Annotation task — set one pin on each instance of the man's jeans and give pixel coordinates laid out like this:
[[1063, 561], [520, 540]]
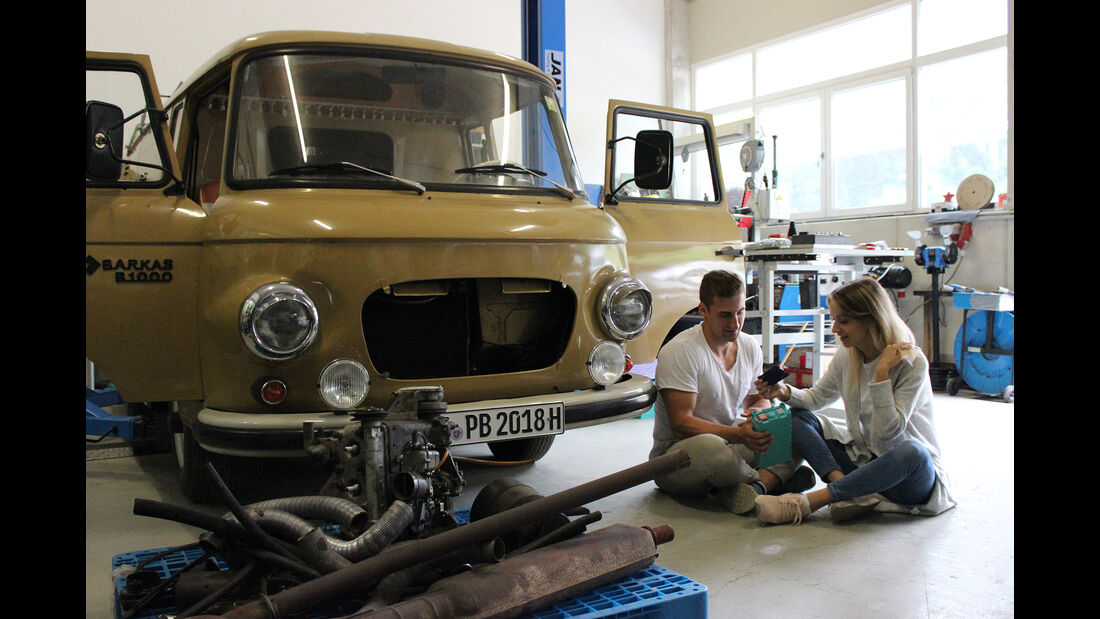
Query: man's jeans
[[904, 474]]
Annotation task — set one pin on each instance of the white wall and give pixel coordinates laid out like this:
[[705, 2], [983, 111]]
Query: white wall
[[614, 48]]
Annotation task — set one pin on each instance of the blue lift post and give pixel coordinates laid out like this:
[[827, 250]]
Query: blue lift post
[[544, 40], [98, 422], [544, 47]]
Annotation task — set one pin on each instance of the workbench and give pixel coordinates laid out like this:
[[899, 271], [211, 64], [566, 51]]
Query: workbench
[[847, 262]]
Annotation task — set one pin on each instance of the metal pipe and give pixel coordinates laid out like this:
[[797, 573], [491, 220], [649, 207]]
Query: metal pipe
[[345, 512], [348, 579], [288, 526], [534, 580], [390, 589]]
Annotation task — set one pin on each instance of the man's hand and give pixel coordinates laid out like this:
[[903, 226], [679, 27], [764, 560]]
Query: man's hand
[[757, 442]]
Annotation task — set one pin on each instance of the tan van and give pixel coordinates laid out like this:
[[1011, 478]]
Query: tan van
[[315, 220]]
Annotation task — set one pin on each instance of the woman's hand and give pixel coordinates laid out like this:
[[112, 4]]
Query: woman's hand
[[888, 358], [779, 390]]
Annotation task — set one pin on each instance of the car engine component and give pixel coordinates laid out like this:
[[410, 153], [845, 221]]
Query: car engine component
[[395, 454]]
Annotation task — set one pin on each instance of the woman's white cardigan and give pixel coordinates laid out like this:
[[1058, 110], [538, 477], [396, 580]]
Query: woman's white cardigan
[[902, 409]]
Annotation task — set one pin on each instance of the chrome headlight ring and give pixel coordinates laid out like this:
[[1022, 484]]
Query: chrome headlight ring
[[606, 363], [278, 321], [625, 308]]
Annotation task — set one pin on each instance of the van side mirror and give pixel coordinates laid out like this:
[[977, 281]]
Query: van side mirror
[[102, 141], [652, 161], [652, 157]]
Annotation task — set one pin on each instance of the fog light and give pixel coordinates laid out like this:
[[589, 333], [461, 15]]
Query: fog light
[[607, 363], [273, 391], [344, 384]]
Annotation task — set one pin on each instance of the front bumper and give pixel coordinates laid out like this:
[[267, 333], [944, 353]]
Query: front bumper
[[280, 435]]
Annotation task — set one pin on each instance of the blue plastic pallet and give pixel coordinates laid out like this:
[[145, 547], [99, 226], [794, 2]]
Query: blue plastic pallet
[[652, 593]]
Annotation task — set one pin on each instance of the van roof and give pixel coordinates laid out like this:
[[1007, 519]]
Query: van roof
[[296, 38]]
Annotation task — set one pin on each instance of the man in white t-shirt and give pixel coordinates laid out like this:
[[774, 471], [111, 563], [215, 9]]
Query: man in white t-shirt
[[703, 374]]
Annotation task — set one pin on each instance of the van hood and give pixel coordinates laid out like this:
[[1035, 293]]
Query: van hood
[[352, 214]]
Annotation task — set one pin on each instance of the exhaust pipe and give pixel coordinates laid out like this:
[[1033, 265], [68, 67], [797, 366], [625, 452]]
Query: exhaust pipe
[[369, 570], [534, 580]]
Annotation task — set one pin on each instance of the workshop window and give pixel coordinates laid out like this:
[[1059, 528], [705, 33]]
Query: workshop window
[[856, 46], [959, 140], [729, 79], [881, 113], [868, 163], [945, 24], [798, 154]]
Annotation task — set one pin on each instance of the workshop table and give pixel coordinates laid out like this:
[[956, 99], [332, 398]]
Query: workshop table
[[847, 262]]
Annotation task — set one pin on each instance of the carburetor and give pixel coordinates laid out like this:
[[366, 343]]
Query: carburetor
[[398, 453]]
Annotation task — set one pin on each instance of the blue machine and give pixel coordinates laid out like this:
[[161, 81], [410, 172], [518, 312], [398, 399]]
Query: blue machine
[[984, 345]]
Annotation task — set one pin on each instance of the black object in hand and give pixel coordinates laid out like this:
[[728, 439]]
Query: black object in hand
[[774, 374]]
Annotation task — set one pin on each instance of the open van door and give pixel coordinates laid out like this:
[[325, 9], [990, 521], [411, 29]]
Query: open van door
[[143, 238], [663, 184]]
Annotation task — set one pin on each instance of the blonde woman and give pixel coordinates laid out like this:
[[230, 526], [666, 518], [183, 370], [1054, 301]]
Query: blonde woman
[[888, 456]]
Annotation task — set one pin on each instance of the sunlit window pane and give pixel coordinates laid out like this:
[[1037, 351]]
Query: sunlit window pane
[[963, 129], [873, 41], [868, 145], [723, 82], [943, 24], [798, 150]]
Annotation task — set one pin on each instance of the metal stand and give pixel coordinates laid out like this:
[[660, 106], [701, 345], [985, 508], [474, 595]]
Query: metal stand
[[940, 373]]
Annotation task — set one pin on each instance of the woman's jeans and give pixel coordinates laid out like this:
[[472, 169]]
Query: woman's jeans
[[904, 474]]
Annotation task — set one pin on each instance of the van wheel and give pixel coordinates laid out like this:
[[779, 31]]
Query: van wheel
[[522, 449], [194, 479]]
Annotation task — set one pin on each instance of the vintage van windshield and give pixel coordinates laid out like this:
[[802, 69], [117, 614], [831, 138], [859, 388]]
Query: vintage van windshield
[[361, 121]]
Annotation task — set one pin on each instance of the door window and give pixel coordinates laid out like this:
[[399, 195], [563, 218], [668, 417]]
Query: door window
[[140, 150], [694, 171]]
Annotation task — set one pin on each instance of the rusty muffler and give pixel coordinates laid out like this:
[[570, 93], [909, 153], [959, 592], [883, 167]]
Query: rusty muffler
[[534, 580], [370, 570]]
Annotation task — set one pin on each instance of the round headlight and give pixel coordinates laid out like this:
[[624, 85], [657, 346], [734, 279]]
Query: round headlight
[[344, 384], [625, 307], [278, 321], [606, 363]]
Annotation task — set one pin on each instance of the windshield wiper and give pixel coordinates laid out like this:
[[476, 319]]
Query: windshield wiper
[[346, 166], [498, 168]]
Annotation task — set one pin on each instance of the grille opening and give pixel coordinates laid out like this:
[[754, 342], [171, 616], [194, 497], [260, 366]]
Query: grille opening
[[467, 327]]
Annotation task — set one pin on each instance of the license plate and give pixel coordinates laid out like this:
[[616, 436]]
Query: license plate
[[498, 424]]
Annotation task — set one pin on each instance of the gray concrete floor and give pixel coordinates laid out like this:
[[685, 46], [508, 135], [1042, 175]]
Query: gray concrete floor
[[959, 564]]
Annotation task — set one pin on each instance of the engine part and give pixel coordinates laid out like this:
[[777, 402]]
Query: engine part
[[520, 585], [348, 514], [369, 570], [287, 526], [503, 494], [397, 454], [390, 589]]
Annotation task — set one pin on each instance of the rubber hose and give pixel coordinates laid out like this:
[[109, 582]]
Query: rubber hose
[[378, 536], [347, 513]]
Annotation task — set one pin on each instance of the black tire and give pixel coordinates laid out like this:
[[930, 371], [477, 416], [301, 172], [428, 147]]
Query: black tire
[[195, 481], [522, 449]]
